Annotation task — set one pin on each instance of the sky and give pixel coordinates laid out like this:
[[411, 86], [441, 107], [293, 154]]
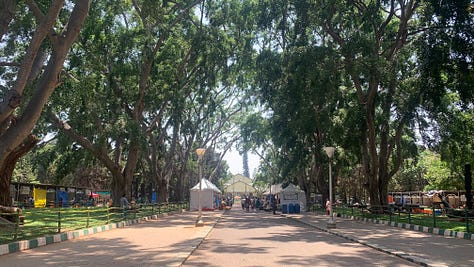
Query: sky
[[234, 160]]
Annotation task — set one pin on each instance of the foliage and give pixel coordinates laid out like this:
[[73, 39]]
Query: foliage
[[150, 81], [35, 40], [437, 173]]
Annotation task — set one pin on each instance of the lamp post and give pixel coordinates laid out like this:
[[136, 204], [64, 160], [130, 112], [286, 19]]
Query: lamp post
[[330, 153], [200, 153]]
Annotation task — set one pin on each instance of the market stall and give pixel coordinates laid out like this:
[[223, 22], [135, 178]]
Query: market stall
[[292, 199], [209, 193]]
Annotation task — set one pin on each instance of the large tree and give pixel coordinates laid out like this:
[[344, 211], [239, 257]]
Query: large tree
[[35, 40], [128, 61], [163, 82], [369, 44], [374, 38]]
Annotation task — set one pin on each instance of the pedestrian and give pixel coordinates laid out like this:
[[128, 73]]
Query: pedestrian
[[247, 204], [328, 206], [258, 204], [273, 203], [124, 202]]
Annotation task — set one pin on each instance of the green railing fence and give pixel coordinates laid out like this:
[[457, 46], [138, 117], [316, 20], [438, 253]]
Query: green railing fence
[[47, 221], [460, 220]]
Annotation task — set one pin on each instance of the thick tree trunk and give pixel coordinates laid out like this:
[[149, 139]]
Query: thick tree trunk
[[118, 189], [162, 191], [6, 169], [16, 139], [180, 186]]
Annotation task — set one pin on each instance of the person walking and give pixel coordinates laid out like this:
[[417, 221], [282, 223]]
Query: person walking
[[328, 207], [247, 204], [124, 202], [273, 202]]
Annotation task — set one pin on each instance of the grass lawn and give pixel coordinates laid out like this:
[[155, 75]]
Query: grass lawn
[[441, 221]]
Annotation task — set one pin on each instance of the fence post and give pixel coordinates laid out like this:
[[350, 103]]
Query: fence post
[[434, 216], [59, 221], [88, 215], [108, 214], [409, 215], [390, 215], [17, 224], [467, 220]]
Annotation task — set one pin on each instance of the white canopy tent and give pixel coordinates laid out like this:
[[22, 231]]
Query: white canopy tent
[[209, 192], [293, 196]]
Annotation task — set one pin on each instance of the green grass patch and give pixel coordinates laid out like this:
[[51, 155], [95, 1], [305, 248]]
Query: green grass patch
[[439, 221]]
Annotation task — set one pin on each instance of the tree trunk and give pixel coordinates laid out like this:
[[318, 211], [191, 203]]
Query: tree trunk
[[6, 169], [162, 191], [180, 184], [16, 139]]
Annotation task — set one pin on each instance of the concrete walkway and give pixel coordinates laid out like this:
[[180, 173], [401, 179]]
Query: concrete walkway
[[165, 241], [425, 249], [275, 240], [262, 239]]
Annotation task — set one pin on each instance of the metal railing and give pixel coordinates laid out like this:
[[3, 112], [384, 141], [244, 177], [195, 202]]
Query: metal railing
[[459, 220], [38, 222]]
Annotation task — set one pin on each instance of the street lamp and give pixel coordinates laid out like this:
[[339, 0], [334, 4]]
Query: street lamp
[[200, 153], [330, 153]]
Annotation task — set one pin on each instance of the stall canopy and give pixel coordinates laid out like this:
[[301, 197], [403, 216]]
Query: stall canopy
[[208, 195], [273, 189], [293, 199]]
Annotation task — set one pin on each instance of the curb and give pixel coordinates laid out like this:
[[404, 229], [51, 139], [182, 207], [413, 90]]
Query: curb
[[60, 237], [183, 256], [400, 254], [414, 227]]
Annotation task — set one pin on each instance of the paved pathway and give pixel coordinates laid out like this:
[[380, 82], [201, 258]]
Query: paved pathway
[[236, 238], [166, 241], [424, 248], [263, 239]]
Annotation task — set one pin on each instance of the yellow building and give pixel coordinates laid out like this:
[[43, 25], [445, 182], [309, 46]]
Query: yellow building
[[239, 185]]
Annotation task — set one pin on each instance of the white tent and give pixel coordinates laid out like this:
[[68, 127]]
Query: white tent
[[209, 192], [273, 189], [292, 196]]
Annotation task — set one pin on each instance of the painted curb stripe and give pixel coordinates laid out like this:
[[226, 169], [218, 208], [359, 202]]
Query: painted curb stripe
[[56, 238]]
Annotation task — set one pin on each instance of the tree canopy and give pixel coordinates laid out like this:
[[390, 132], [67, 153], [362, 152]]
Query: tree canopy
[[130, 89]]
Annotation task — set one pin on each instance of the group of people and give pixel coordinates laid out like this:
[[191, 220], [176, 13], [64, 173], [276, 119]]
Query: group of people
[[250, 203], [226, 202]]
